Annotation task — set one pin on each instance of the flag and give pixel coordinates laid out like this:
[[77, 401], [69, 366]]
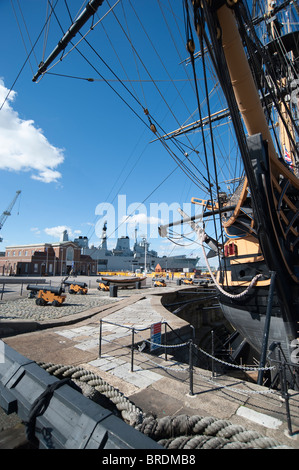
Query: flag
[[287, 157]]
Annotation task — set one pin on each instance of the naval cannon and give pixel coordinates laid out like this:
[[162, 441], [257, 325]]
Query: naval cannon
[[76, 287], [159, 282], [103, 285], [46, 294]]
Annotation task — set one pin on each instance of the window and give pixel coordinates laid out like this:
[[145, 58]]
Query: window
[[20, 253], [35, 269], [13, 253], [26, 268], [26, 252], [70, 253], [8, 253]]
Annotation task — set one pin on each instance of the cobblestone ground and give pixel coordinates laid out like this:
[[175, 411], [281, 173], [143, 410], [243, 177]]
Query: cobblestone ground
[[26, 308]]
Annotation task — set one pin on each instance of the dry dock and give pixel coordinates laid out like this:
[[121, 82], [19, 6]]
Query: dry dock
[[156, 382]]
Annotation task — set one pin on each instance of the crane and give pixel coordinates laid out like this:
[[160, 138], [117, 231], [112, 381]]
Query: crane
[[6, 213]]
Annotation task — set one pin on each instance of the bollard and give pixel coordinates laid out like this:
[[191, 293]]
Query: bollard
[[113, 291]]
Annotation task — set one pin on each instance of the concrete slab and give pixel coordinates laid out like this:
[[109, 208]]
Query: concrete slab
[[259, 418]]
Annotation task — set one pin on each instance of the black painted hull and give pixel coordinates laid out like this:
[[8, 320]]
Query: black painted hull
[[248, 316]]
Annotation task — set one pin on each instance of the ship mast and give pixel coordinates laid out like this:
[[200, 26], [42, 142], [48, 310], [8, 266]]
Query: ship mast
[[245, 91], [244, 88], [284, 122]]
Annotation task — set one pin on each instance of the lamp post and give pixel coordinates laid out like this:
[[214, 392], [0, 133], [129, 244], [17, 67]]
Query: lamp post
[[61, 250], [47, 260], [144, 255]]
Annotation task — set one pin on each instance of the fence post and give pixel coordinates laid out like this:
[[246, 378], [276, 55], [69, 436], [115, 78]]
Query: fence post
[[284, 389], [165, 349], [266, 329], [286, 397], [191, 367], [132, 350], [100, 339], [213, 351], [2, 290]]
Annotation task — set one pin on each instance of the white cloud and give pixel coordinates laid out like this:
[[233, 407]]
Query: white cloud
[[57, 231], [23, 146], [35, 230]]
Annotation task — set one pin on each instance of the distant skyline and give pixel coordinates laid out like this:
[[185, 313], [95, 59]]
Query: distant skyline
[[71, 145]]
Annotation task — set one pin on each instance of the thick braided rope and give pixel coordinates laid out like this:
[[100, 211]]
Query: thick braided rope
[[178, 432], [201, 442], [168, 428], [130, 413]]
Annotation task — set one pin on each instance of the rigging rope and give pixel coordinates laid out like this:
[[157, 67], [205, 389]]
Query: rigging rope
[[224, 292]]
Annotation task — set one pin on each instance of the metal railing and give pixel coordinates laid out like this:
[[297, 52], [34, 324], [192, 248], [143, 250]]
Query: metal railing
[[164, 346], [283, 369], [15, 291], [193, 349]]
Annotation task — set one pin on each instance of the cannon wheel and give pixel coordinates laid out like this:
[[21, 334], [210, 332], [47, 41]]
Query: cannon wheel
[[55, 303], [40, 301], [71, 291]]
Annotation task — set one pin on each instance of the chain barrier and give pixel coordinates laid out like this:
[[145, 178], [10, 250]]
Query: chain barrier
[[234, 365], [243, 392], [245, 368], [190, 368], [206, 379], [159, 365], [237, 390], [166, 345]]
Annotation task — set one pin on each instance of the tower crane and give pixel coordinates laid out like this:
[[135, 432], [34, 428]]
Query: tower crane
[[6, 213]]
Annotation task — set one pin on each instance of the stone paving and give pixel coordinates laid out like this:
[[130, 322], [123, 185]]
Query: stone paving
[[86, 338], [25, 308]]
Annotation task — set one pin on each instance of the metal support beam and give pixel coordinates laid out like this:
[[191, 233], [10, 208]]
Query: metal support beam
[[266, 328]]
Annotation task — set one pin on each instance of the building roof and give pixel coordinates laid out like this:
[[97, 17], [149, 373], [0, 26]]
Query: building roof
[[31, 245]]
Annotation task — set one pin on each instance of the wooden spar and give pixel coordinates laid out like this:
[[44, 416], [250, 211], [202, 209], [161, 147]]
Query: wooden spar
[[89, 10]]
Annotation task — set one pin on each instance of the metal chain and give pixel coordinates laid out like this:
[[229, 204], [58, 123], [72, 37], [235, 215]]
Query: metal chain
[[234, 365], [212, 357]]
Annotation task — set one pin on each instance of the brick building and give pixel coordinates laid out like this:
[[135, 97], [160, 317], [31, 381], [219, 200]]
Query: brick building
[[46, 259]]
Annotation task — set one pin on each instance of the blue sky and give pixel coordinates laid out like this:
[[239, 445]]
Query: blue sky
[[71, 145]]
